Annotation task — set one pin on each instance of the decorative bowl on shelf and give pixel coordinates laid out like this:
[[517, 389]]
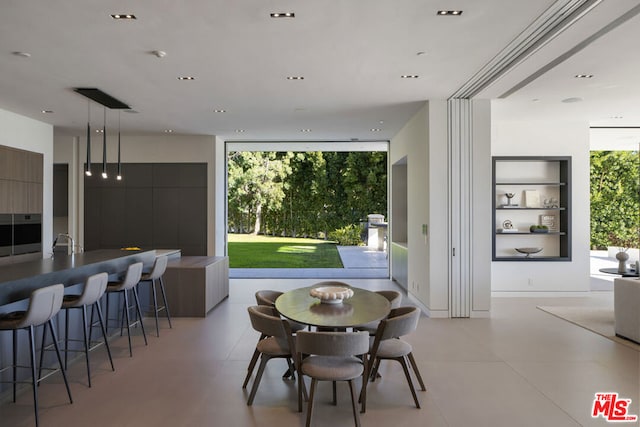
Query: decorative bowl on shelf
[[331, 292], [528, 251]]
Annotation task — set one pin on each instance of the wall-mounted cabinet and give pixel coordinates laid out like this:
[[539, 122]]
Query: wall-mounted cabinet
[[531, 209]]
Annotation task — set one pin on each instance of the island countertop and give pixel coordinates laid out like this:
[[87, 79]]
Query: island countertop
[[17, 281]]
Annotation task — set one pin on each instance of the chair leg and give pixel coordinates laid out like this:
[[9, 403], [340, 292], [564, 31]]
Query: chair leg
[[155, 305], [104, 331], [126, 316], [412, 360], [55, 344], [405, 367], [312, 393], [15, 358], [66, 339], [252, 364], [164, 300], [86, 343], [34, 378], [42, 349], [335, 394], [256, 382], [354, 406], [135, 296]]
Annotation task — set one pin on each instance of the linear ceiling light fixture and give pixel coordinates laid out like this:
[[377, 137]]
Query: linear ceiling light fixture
[[125, 16], [295, 78], [104, 145], [186, 78], [87, 166], [583, 76], [283, 15], [449, 13], [409, 76]]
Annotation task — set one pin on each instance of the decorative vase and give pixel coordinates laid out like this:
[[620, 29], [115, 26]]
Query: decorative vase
[[622, 258]]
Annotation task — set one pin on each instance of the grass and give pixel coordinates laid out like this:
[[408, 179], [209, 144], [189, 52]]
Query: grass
[[249, 251]]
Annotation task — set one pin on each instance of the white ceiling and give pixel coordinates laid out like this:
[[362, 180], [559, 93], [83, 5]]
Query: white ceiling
[[351, 54]]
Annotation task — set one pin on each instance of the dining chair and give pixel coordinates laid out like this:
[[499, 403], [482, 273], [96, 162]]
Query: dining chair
[[331, 356], [267, 297], [276, 342], [387, 345], [394, 298]]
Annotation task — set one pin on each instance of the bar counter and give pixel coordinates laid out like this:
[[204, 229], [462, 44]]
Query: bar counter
[[17, 281]]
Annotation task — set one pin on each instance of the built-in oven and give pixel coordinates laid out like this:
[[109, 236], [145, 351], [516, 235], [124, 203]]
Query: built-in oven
[[27, 233], [6, 234]]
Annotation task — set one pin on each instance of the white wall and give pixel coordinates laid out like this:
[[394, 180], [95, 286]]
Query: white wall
[[27, 134], [561, 138], [161, 148]]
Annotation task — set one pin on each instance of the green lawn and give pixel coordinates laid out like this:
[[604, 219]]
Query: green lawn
[[249, 251]]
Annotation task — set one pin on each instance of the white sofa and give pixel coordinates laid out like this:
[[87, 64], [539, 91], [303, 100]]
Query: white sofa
[[626, 295]]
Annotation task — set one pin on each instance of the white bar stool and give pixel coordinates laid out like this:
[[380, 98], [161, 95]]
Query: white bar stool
[[44, 304], [131, 279], [94, 288], [159, 267]]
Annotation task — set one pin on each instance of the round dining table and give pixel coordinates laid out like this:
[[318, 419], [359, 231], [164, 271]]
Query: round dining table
[[363, 307]]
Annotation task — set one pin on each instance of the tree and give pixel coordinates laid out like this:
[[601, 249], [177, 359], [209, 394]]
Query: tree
[[615, 206], [256, 183]]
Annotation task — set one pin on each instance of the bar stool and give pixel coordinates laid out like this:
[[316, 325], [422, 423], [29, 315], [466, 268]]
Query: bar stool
[[131, 279], [156, 273], [44, 304], [94, 288]]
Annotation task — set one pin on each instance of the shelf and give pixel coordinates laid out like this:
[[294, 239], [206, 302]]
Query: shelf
[[529, 209], [527, 233], [554, 184], [543, 178]]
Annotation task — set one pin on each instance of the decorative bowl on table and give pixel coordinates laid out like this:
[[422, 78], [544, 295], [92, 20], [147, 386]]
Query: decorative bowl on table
[[528, 251], [331, 293]]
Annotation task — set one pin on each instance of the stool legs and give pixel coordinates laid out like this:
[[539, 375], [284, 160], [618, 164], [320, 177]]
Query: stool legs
[[157, 308], [127, 318]]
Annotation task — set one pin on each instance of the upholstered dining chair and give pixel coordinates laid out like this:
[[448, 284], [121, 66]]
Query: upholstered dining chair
[[331, 356], [387, 345], [395, 299], [276, 342], [267, 297]]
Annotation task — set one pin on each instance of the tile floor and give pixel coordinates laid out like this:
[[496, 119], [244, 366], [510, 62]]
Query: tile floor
[[521, 367]]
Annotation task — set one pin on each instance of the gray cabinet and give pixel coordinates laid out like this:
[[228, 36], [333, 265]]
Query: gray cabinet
[[155, 205]]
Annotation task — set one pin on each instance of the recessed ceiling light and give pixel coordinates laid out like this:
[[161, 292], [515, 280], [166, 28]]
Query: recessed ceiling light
[[186, 78], [239, 130], [571, 100], [381, 121], [220, 110], [99, 130], [22, 54], [616, 117], [409, 76], [295, 78], [123, 16], [376, 130], [305, 130], [168, 130], [47, 111], [583, 76], [283, 15], [449, 12]]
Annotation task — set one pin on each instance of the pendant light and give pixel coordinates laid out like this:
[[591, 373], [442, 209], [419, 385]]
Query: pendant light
[[87, 166], [119, 176], [104, 145]]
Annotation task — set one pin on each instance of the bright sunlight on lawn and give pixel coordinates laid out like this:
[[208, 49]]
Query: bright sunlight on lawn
[[249, 251]]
